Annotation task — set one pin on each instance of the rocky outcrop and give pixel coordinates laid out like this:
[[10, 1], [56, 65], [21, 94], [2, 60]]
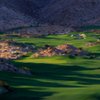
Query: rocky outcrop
[[13, 50], [5, 65], [65, 49], [91, 44]]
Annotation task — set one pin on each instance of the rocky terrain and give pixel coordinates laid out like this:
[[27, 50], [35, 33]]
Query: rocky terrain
[[65, 49], [73, 12], [5, 65], [21, 14], [13, 50]]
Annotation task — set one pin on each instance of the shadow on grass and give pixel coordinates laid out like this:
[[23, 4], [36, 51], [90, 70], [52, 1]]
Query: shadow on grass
[[95, 96], [93, 56], [60, 72], [96, 54], [25, 94], [47, 76]]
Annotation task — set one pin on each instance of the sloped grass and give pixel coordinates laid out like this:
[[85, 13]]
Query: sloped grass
[[78, 79], [56, 40], [58, 77]]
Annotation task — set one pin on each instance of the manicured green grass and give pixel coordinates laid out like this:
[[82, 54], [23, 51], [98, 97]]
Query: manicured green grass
[[56, 40], [58, 77]]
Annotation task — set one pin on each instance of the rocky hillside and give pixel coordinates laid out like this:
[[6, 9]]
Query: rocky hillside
[[73, 12], [22, 13], [11, 19]]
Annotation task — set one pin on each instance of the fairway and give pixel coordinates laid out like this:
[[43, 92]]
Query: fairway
[[57, 77]]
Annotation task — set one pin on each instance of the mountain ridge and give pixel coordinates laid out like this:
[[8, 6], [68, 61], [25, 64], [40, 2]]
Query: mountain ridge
[[61, 13]]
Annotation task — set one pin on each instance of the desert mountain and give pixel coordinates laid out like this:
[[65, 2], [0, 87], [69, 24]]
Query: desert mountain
[[72, 12], [19, 13]]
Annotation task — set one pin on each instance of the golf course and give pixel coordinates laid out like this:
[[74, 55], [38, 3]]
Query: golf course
[[59, 77]]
